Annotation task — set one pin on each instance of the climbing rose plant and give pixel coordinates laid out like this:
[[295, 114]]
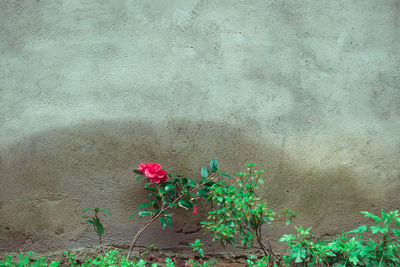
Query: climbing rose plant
[[169, 191]]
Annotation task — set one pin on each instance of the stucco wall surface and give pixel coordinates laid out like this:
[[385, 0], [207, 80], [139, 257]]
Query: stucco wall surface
[[307, 90]]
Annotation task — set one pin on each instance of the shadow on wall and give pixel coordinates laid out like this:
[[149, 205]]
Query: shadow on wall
[[48, 178]]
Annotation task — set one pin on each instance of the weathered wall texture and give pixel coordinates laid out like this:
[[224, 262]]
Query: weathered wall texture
[[308, 90]]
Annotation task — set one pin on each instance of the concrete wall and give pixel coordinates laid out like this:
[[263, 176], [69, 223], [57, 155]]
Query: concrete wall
[[308, 90]]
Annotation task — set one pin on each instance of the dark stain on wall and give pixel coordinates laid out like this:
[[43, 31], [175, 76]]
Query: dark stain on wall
[[90, 164]]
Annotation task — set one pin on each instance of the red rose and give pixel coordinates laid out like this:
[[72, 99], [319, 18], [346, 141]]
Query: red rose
[[152, 169], [143, 166], [154, 172], [161, 176]]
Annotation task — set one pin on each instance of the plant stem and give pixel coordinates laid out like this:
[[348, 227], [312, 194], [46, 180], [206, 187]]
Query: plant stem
[[101, 245], [384, 243], [267, 250], [149, 222], [141, 230], [95, 229]]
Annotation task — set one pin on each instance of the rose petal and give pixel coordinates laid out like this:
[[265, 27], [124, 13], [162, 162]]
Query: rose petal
[[150, 173], [161, 173], [155, 166], [142, 166], [163, 179], [194, 209]]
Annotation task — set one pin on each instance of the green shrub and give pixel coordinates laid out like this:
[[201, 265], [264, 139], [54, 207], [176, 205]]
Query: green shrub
[[251, 261], [198, 246], [239, 214], [111, 258], [193, 263], [27, 260], [301, 248], [350, 249]]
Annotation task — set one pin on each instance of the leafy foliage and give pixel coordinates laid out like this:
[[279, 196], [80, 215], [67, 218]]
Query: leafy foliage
[[111, 259], [97, 225], [176, 191], [194, 263], [239, 213], [348, 248], [251, 261], [27, 260], [198, 246], [169, 263], [301, 248]]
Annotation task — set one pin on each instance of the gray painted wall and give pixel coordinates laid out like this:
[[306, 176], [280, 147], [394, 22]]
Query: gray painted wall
[[308, 90]]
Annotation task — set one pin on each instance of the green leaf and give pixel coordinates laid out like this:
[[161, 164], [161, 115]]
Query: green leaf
[[214, 165], [185, 204], [143, 205], [133, 215], [260, 181], [168, 219], [100, 229], [191, 182], [385, 216], [204, 172], [232, 240], [203, 192], [91, 222], [267, 219], [153, 201], [153, 190], [169, 186], [224, 174], [138, 172], [163, 222], [53, 264], [360, 229], [201, 252], [105, 211], [298, 257], [377, 229], [372, 216], [144, 213], [287, 238], [240, 174], [396, 232], [353, 259], [140, 178], [85, 210], [162, 190], [99, 226]]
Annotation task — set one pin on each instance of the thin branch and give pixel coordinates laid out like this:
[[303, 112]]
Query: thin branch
[[149, 222], [139, 233]]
